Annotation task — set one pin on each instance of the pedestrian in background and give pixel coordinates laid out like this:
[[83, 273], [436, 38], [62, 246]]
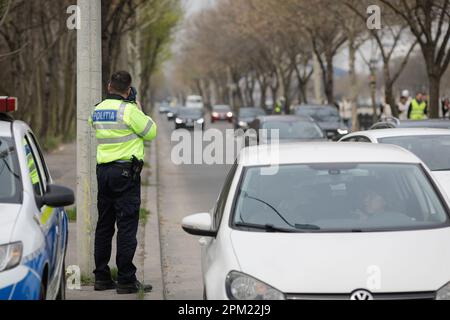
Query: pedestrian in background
[[404, 104], [418, 110], [446, 108]]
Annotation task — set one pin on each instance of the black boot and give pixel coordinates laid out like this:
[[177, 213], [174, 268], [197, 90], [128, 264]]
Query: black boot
[[105, 285], [133, 288]]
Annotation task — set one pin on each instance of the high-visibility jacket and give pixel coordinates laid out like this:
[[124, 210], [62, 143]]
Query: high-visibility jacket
[[121, 129], [31, 165], [418, 111]]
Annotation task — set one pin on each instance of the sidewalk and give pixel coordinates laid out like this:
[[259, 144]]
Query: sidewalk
[[62, 165]]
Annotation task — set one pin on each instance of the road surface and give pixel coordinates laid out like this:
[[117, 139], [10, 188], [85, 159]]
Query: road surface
[[183, 190]]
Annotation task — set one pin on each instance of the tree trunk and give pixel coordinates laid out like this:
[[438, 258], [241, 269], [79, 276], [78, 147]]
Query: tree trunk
[[353, 86], [389, 89], [433, 108], [329, 79]]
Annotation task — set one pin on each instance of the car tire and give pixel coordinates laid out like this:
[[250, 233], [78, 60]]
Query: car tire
[[43, 292], [62, 285]]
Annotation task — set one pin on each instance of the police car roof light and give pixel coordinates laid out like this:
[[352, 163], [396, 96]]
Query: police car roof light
[[8, 104]]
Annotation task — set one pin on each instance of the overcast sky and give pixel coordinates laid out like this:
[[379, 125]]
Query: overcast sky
[[196, 5]]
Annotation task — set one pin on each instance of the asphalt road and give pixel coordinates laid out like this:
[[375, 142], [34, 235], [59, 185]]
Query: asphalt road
[[183, 190]]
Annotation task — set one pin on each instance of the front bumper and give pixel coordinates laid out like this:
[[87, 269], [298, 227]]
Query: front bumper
[[21, 283]]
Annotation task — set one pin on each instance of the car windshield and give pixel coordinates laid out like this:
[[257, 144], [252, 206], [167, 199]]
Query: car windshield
[[339, 198], [10, 183], [293, 129], [251, 112], [434, 150], [193, 113], [320, 114], [195, 100], [222, 109]]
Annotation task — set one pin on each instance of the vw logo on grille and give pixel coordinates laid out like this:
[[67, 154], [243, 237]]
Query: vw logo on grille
[[361, 295]]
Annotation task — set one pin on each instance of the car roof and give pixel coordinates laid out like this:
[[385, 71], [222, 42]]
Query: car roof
[[325, 152], [399, 132], [290, 118], [5, 128], [426, 123]]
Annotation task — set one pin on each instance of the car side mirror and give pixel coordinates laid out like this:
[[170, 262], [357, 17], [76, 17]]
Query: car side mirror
[[199, 225], [57, 197]]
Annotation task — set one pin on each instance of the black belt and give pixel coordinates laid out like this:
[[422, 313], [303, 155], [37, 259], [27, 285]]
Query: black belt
[[120, 164]]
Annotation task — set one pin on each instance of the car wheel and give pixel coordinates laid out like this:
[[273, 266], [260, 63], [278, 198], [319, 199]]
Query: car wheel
[[62, 285], [43, 293]]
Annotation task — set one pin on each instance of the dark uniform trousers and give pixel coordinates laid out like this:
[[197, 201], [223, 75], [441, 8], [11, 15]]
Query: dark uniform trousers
[[119, 200]]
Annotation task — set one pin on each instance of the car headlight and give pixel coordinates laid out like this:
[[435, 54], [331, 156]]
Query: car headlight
[[178, 121], [170, 114], [10, 255], [444, 293], [343, 131], [243, 124], [215, 114], [243, 287], [230, 114], [200, 121]]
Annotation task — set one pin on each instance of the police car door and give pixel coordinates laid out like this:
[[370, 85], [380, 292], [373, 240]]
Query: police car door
[[48, 217]]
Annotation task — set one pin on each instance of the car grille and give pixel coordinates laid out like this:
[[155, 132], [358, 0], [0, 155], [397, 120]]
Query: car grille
[[376, 296]]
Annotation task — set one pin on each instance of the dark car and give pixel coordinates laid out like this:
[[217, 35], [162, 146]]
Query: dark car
[[172, 113], [392, 123], [290, 129], [327, 117], [164, 107], [190, 118], [222, 113], [247, 116]]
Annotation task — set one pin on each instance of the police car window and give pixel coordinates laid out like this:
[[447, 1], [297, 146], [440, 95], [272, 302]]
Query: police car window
[[10, 182], [43, 168], [33, 169]]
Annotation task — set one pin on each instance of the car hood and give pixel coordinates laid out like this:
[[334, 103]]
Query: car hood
[[8, 217], [412, 261], [190, 118], [443, 178]]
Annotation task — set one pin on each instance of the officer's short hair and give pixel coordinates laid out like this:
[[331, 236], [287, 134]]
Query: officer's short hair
[[121, 81]]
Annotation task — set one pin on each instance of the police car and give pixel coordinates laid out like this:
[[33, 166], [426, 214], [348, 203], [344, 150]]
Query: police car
[[33, 222]]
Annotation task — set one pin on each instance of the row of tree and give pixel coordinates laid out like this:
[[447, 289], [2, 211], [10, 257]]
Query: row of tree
[[239, 46], [38, 55]]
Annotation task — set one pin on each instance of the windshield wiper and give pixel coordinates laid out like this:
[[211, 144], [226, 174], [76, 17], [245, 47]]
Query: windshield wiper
[[307, 227], [266, 227], [246, 195]]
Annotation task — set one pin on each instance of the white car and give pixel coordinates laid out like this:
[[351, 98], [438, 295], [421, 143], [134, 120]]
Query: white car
[[194, 102], [332, 221], [33, 222], [431, 145]]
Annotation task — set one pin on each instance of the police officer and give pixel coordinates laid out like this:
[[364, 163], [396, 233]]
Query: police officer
[[121, 129], [418, 108]]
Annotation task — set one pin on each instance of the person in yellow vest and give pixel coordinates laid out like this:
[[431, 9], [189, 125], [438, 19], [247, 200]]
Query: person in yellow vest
[[418, 109], [121, 129]]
